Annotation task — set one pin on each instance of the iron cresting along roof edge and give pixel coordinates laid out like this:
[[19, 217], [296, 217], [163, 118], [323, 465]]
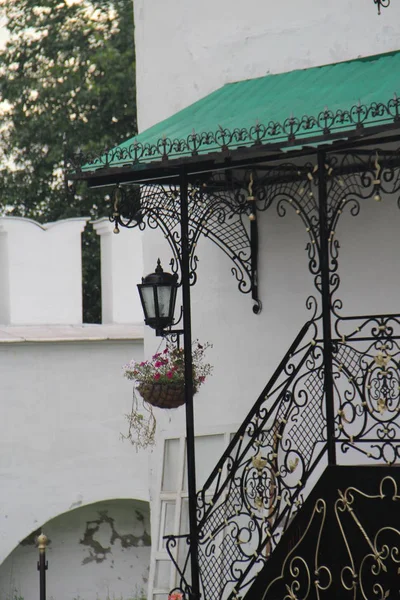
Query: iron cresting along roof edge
[[361, 95]]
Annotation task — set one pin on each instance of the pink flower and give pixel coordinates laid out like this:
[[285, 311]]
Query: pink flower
[[142, 364], [202, 378], [166, 351], [175, 596], [170, 374], [156, 355], [158, 364], [157, 376]]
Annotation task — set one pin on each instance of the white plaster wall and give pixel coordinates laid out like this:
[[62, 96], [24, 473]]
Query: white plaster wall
[[369, 268], [121, 271], [40, 271], [5, 308], [62, 411], [96, 552], [186, 49]]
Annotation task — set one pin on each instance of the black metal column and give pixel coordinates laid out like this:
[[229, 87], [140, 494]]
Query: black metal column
[[42, 565], [326, 305], [187, 339]]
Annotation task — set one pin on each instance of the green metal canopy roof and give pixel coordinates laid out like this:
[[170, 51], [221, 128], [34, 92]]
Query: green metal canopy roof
[[289, 108]]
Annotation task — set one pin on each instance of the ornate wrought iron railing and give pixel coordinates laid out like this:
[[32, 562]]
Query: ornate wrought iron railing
[[272, 462], [366, 366], [344, 543], [257, 485]]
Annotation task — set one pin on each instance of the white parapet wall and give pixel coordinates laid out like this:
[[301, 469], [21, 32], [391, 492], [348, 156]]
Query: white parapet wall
[[63, 403], [40, 271], [121, 271]]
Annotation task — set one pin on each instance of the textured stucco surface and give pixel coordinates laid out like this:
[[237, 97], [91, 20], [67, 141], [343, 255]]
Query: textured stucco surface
[[60, 448], [40, 271], [94, 552], [187, 49]]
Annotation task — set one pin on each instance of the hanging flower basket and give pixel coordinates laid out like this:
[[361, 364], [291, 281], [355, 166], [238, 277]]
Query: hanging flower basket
[[163, 395], [161, 380]]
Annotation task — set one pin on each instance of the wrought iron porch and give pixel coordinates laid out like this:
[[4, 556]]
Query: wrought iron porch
[[335, 397], [261, 482]]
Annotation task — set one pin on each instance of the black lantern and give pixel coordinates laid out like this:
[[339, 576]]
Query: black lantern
[[158, 295]]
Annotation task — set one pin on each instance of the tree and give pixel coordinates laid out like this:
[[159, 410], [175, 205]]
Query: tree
[[66, 73]]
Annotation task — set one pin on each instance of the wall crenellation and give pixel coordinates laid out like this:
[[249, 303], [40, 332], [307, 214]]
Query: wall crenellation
[[41, 272]]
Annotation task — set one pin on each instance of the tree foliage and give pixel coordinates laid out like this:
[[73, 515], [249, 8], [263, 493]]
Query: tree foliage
[[67, 76]]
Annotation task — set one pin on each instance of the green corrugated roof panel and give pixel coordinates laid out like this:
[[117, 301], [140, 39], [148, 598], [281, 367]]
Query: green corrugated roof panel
[[273, 108]]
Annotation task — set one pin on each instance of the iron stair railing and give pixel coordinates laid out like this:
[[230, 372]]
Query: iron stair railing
[[280, 450], [343, 544], [366, 373], [256, 487]]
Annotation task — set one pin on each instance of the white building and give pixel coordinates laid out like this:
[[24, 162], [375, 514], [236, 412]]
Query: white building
[[186, 51], [63, 466]]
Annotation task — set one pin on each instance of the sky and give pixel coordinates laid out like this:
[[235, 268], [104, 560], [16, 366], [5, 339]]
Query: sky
[[3, 33]]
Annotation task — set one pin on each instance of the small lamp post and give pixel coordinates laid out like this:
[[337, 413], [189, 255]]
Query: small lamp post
[[158, 296], [42, 566]]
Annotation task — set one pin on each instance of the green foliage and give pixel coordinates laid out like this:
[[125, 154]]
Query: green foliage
[[67, 73], [142, 424], [15, 595]]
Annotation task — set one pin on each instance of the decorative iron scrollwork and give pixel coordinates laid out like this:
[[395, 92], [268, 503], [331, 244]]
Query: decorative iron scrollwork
[[343, 544], [372, 544], [381, 4], [299, 578], [218, 214], [257, 486], [367, 386], [300, 128], [261, 481], [351, 177], [224, 207]]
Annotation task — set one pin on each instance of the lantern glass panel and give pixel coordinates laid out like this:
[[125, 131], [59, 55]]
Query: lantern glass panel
[[164, 293], [148, 301]]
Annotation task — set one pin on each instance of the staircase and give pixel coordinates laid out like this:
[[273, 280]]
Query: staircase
[[275, 520], [344, 543]]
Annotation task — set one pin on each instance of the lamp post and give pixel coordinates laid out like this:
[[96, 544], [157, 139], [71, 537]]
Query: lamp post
[[158, 295], [42, 565]]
